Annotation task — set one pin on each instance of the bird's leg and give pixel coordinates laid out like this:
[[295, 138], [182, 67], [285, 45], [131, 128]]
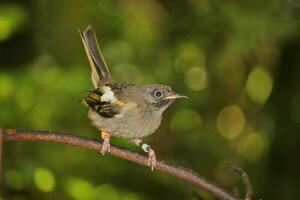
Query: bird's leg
[[106, 145], [151, 154]]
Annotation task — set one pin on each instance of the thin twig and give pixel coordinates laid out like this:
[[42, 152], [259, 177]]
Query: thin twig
[[245, 180], [69, 139]]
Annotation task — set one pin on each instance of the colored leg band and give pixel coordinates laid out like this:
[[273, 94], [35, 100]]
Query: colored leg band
[[104, 134], [146, 147]]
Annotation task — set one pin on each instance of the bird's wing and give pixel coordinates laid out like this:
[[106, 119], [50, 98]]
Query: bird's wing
[[100, 73], [103, 101]]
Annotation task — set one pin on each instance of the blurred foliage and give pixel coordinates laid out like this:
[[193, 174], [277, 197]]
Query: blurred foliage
[[238, 61]]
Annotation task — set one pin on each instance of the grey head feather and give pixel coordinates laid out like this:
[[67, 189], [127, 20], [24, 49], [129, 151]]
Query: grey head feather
[[153, 96]]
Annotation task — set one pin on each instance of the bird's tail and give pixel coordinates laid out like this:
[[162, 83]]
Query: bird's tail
[[100, 73]]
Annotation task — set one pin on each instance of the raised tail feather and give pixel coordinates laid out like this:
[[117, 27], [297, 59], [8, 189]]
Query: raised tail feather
[[100, 72]]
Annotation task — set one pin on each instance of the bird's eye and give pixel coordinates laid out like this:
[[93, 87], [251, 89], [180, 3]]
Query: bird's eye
[[157, 93]]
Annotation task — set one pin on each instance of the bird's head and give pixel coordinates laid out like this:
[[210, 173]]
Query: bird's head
[[160, 96]]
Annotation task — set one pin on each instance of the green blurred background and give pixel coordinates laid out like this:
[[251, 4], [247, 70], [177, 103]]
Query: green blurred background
[[238, 61]]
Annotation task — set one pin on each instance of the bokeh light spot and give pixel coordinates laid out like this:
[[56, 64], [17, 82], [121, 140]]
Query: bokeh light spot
[[196, 78], [230, 121], [41, 115], [80, 189], [186, 120], [251, 147], [189, 55], [24, 97], [11, 18], [50, 75], [106, 191], [44, 179], [121, 72], [5, 28], [259, 85], [14, 179], [6, 86], [118, 52]]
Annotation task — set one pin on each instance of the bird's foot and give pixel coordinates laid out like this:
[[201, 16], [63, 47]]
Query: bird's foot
[[105, 145], [151, 159], [151, 154]]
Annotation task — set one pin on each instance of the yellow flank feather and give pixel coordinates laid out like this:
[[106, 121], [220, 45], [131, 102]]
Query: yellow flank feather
[[119, 103]]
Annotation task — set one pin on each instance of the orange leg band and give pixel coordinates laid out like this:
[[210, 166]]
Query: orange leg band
[[104, 134]]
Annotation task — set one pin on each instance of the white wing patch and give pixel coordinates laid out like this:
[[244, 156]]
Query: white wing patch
[[108, 94]]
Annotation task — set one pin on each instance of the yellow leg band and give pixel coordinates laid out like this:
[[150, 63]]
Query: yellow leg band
[[104, 134]]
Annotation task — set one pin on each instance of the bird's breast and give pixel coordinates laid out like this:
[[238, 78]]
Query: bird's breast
[[132, 122], [140, 122]]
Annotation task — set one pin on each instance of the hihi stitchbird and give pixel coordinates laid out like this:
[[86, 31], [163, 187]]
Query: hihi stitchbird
[[121, 109]]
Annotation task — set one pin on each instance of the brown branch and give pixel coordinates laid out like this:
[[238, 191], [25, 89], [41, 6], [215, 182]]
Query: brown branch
[[78, 141], [245, 180]]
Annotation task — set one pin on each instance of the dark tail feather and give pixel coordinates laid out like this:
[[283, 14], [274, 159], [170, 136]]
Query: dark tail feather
[[100, 72]]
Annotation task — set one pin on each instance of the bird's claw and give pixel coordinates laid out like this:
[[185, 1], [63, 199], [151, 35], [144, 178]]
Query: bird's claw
[[151, 159], [105, 145]]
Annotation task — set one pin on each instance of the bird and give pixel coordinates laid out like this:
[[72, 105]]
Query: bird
[[121, 109]]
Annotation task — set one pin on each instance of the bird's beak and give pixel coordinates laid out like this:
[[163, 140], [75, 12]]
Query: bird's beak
[[175, 96]]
